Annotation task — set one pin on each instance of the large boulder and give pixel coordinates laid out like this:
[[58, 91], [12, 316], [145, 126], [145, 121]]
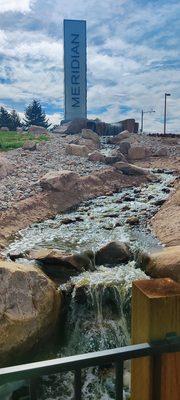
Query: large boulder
[[6, 167], [115, 157], [96, 156], [130, 169], [38, 130], [163, 264], [4, 129], [113, 253], [90, 135], [119, 137], [61, 181], [124, 147], [162, 152], [77, 150], [29, 308], [30, 145], [57, 264], [136, 153], [75, 126]]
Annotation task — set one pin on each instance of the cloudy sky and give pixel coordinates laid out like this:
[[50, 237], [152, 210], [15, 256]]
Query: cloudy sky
[[133, 57]]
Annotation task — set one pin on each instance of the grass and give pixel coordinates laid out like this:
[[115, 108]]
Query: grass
[[14, 140]]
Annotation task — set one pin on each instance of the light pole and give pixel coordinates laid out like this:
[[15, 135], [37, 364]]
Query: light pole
[[165, 110], [142, 117]]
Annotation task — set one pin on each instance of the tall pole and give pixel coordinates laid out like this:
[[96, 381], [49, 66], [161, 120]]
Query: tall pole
[[165, 114], [165, 111], [142, 115]]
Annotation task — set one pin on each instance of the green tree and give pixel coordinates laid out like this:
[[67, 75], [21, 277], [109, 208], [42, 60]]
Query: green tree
[[34, 115], [14, 120], [4, 118]]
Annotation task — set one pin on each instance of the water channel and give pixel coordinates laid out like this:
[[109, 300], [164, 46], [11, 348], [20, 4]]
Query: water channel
[[98, 310]]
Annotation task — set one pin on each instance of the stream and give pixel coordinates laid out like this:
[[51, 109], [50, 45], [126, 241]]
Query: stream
[[98, 304]]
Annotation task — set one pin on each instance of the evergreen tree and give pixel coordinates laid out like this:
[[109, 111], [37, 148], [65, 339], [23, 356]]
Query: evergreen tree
[[14, 121], [4, 118], [34, 115]]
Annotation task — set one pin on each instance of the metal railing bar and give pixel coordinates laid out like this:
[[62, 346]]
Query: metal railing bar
[[77, 384], [58, 365], [119, 380], [33, 389]]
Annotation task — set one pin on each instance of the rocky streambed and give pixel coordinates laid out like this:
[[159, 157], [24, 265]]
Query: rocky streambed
[[96, 312]]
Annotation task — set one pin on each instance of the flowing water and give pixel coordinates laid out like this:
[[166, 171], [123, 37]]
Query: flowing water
[[97, 303]]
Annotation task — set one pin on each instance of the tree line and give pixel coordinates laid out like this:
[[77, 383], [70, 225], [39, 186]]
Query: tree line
[[34, 115]]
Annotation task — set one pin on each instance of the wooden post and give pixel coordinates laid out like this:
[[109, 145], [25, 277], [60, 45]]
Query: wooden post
[[155, 313]]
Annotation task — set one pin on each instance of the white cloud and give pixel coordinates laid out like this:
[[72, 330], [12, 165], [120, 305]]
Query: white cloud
[[15, 5]]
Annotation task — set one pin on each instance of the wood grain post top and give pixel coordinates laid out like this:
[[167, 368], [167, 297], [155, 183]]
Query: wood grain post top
[[157, 288]]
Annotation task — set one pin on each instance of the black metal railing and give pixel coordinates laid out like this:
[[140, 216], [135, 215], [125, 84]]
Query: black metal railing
[[116, 356]]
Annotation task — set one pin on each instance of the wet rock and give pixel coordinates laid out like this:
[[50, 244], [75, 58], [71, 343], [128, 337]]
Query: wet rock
[[112, 253], [130, 169], [166, 190], [128, 198], [29, 310], [96, 156], [150, 197], [55, 263], [29, 145], [159, 202], [136, 153], [67, 221], [125, 208], [133, 220], [164, 263], [77, 150]]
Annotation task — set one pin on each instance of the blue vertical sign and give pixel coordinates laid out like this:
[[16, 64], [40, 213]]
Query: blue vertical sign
[[75, 70]]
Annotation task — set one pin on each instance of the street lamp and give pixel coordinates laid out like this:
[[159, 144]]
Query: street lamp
[[165, 96], [142, 117]]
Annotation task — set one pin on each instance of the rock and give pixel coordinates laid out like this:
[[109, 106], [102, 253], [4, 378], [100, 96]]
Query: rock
[[166, 190], [119, 137], [77, 150], [5, 129], [29, 308], [89, 134], [124, 147], [38, 130], [60, 181], [112, 253], [5, 167], [75, 126], [96, 156], [136, 153], [57, 264], [90, 144], [115, 157], [164, 263], [29, 145], [132, 220], [162, 152], [19, 129], [130, 169], [159, 202]]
